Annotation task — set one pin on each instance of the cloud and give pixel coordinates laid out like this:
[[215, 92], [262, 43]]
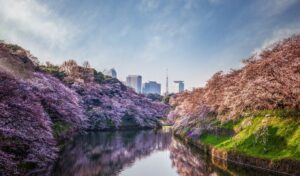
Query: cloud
[[277, 36], [167, 28], [161, 39], [148, 5], [270, 8], [124, 30], [156, 48], [33, 25]]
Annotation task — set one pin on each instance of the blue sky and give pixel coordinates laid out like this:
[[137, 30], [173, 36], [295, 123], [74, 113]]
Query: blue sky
[[192, 38]]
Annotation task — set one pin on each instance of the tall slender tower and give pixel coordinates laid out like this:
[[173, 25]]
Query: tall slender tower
[[167, 84]]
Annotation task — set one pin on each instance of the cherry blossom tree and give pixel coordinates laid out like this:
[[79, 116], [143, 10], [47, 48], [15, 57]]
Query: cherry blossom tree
[[268, 80]]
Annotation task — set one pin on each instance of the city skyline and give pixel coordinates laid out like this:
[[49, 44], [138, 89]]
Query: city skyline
[[135, 82], [192, 39], [152, 87]]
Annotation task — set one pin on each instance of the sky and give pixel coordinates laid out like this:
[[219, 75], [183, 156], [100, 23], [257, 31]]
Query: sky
[[193, 39]]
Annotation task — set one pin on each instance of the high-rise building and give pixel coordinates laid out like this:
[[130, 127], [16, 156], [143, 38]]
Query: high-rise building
[[111, 72], [180, 87], [151, 87], [135, 82]]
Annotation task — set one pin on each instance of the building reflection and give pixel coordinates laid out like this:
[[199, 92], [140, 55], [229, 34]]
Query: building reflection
[[108, 153]]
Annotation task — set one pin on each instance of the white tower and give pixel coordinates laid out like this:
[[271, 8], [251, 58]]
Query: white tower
[[167, 84]]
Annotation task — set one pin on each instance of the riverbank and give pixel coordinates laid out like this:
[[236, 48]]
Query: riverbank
[[251, 114], [229, 160], [266, 140]]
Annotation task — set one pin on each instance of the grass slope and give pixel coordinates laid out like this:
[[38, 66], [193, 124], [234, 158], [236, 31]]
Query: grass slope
[[268, 134]]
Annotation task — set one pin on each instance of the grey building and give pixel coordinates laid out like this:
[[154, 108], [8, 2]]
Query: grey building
[[111, 72], [135, 82], [180, 85], [151, 87]]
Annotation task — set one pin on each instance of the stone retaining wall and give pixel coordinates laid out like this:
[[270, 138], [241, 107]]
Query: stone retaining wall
[[226, 159]]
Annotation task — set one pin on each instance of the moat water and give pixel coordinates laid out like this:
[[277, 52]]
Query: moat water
[[140, 153]]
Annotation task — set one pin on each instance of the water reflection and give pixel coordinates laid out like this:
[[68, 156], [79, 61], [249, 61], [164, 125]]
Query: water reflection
[[123, 152], [108, 153], [190, 161]]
